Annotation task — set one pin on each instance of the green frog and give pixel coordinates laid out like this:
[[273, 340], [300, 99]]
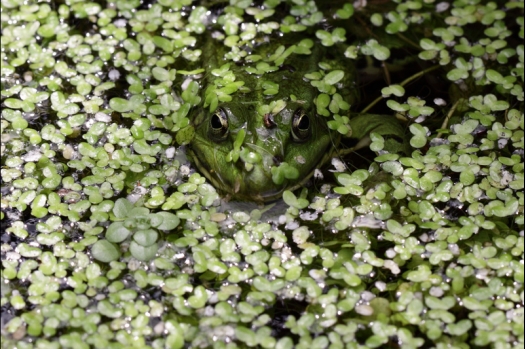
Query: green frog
[[269, 135]]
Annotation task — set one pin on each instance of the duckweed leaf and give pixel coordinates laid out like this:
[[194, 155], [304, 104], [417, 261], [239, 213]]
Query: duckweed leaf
[[117, 232], [419, 139], [292, 200], [122, 208], [143, 253], [105, 251], [334, 77], [145, 237]]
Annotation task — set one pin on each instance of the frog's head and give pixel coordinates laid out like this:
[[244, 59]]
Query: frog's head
[[256, 157]]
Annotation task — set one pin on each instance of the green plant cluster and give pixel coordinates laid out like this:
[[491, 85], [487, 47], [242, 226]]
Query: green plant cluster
[[137, 222], [110, 239]]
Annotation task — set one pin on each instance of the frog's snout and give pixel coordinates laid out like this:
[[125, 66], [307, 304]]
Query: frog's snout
[[259, 154]]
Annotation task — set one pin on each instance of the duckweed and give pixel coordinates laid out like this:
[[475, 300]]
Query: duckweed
[[110, 239]]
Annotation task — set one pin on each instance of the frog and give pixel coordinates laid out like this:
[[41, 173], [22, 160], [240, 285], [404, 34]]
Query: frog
[[269, 136]]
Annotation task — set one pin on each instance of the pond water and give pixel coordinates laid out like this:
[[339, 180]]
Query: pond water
[[180, 174]]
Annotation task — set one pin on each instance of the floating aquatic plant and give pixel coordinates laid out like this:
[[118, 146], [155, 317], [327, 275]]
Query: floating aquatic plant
[[110, 239]]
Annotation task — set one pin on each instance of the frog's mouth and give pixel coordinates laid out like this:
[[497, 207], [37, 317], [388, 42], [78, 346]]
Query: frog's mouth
[[255, 184]]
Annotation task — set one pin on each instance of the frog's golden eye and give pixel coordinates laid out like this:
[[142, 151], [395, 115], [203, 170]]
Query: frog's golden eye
[[219, 125], [301, 126]]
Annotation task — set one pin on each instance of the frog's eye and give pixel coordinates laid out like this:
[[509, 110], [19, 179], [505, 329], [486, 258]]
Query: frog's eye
[[219, 125], [301, 128]]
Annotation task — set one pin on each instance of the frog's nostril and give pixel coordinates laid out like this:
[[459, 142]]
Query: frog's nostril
[[268, 120]]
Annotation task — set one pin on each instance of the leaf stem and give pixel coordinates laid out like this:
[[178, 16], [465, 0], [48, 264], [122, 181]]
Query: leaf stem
[[449, 115], [409, 41], [406, 81]]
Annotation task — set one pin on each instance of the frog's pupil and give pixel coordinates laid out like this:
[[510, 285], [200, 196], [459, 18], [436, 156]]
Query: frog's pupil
[[304, 123], [216, 121], [301, 126], [218, 125]]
